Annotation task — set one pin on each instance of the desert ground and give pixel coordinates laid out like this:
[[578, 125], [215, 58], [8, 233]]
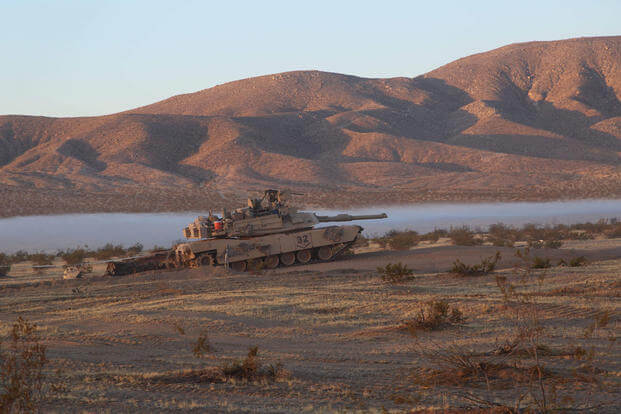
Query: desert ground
[[331, 337]]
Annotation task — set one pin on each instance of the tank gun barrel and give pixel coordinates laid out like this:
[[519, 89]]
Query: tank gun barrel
[[349, 217]]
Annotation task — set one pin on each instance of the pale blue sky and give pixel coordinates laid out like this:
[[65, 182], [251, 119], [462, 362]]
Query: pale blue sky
[[74, 58]]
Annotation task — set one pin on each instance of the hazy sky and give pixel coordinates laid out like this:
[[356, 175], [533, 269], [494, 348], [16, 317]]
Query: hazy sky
[[74, 58]]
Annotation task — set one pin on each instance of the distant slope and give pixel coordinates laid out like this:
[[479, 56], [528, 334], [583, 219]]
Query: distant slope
[[529, 120]]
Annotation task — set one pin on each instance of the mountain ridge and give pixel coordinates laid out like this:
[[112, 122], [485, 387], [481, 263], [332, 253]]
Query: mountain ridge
[[534, 120]]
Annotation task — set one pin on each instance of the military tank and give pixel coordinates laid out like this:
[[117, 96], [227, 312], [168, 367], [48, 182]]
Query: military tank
[[267, 233]]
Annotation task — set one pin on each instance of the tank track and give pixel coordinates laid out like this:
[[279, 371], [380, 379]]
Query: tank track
[[166, 260]]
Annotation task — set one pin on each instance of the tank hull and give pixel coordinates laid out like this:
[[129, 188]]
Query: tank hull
[[332, 239], [273, 250]]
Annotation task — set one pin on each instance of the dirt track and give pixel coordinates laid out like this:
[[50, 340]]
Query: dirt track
[[123, 344]]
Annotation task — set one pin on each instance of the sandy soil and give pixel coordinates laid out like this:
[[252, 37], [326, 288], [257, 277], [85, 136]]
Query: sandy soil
[[125, 344]]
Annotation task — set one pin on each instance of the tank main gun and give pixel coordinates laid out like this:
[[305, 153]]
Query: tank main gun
[[349, 217]]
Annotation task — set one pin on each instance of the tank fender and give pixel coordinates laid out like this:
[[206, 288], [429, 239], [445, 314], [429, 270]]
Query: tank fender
[[333, 233]]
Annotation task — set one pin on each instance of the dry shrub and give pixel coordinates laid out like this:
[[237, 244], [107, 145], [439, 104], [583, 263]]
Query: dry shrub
[[248, 369], [42, 259], [107, 251], [398, 240], [434, 236], [434, 315], [502, 235], [202, 346], [73, 257], [486, 266], [574, 262], [18, 257], [21, 369], [614, 232], [403, 240], [394, 272], [251, 368], [578, 261], [463, 236], [459, 367], [540, 263]]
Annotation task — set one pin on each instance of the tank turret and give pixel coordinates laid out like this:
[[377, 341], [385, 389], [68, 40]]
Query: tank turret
[[267, 215]]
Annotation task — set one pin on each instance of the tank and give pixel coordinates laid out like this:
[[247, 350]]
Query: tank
[[267, 233]]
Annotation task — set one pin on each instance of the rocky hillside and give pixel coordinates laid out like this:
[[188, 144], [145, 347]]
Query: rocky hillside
[[526, 121]]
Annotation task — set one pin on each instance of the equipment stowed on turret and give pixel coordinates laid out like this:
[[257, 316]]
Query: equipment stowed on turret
[[267, 232]]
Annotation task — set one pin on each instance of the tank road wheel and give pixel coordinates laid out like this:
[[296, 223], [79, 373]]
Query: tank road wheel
[[255, 264], [271, 262], [205, 260], [287, 259], [239, 266], [303, 256], [324, 253]]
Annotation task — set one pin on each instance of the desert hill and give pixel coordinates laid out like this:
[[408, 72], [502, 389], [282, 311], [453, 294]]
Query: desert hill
[[526, 121]]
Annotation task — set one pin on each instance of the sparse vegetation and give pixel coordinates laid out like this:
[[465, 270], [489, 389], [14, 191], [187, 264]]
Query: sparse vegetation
[[463, 236], [403, 240], [578, 261], [486, 266], [108, 251], [21, 369], [42, 259], [19, 256], [73, 257], [520, 365], [394, 272], [5, 265], [615, 231], [201, 346], [398, 240], [501, 235], [251, 368], [540, 263], [434, 236], [434, 315], [574, 262]]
